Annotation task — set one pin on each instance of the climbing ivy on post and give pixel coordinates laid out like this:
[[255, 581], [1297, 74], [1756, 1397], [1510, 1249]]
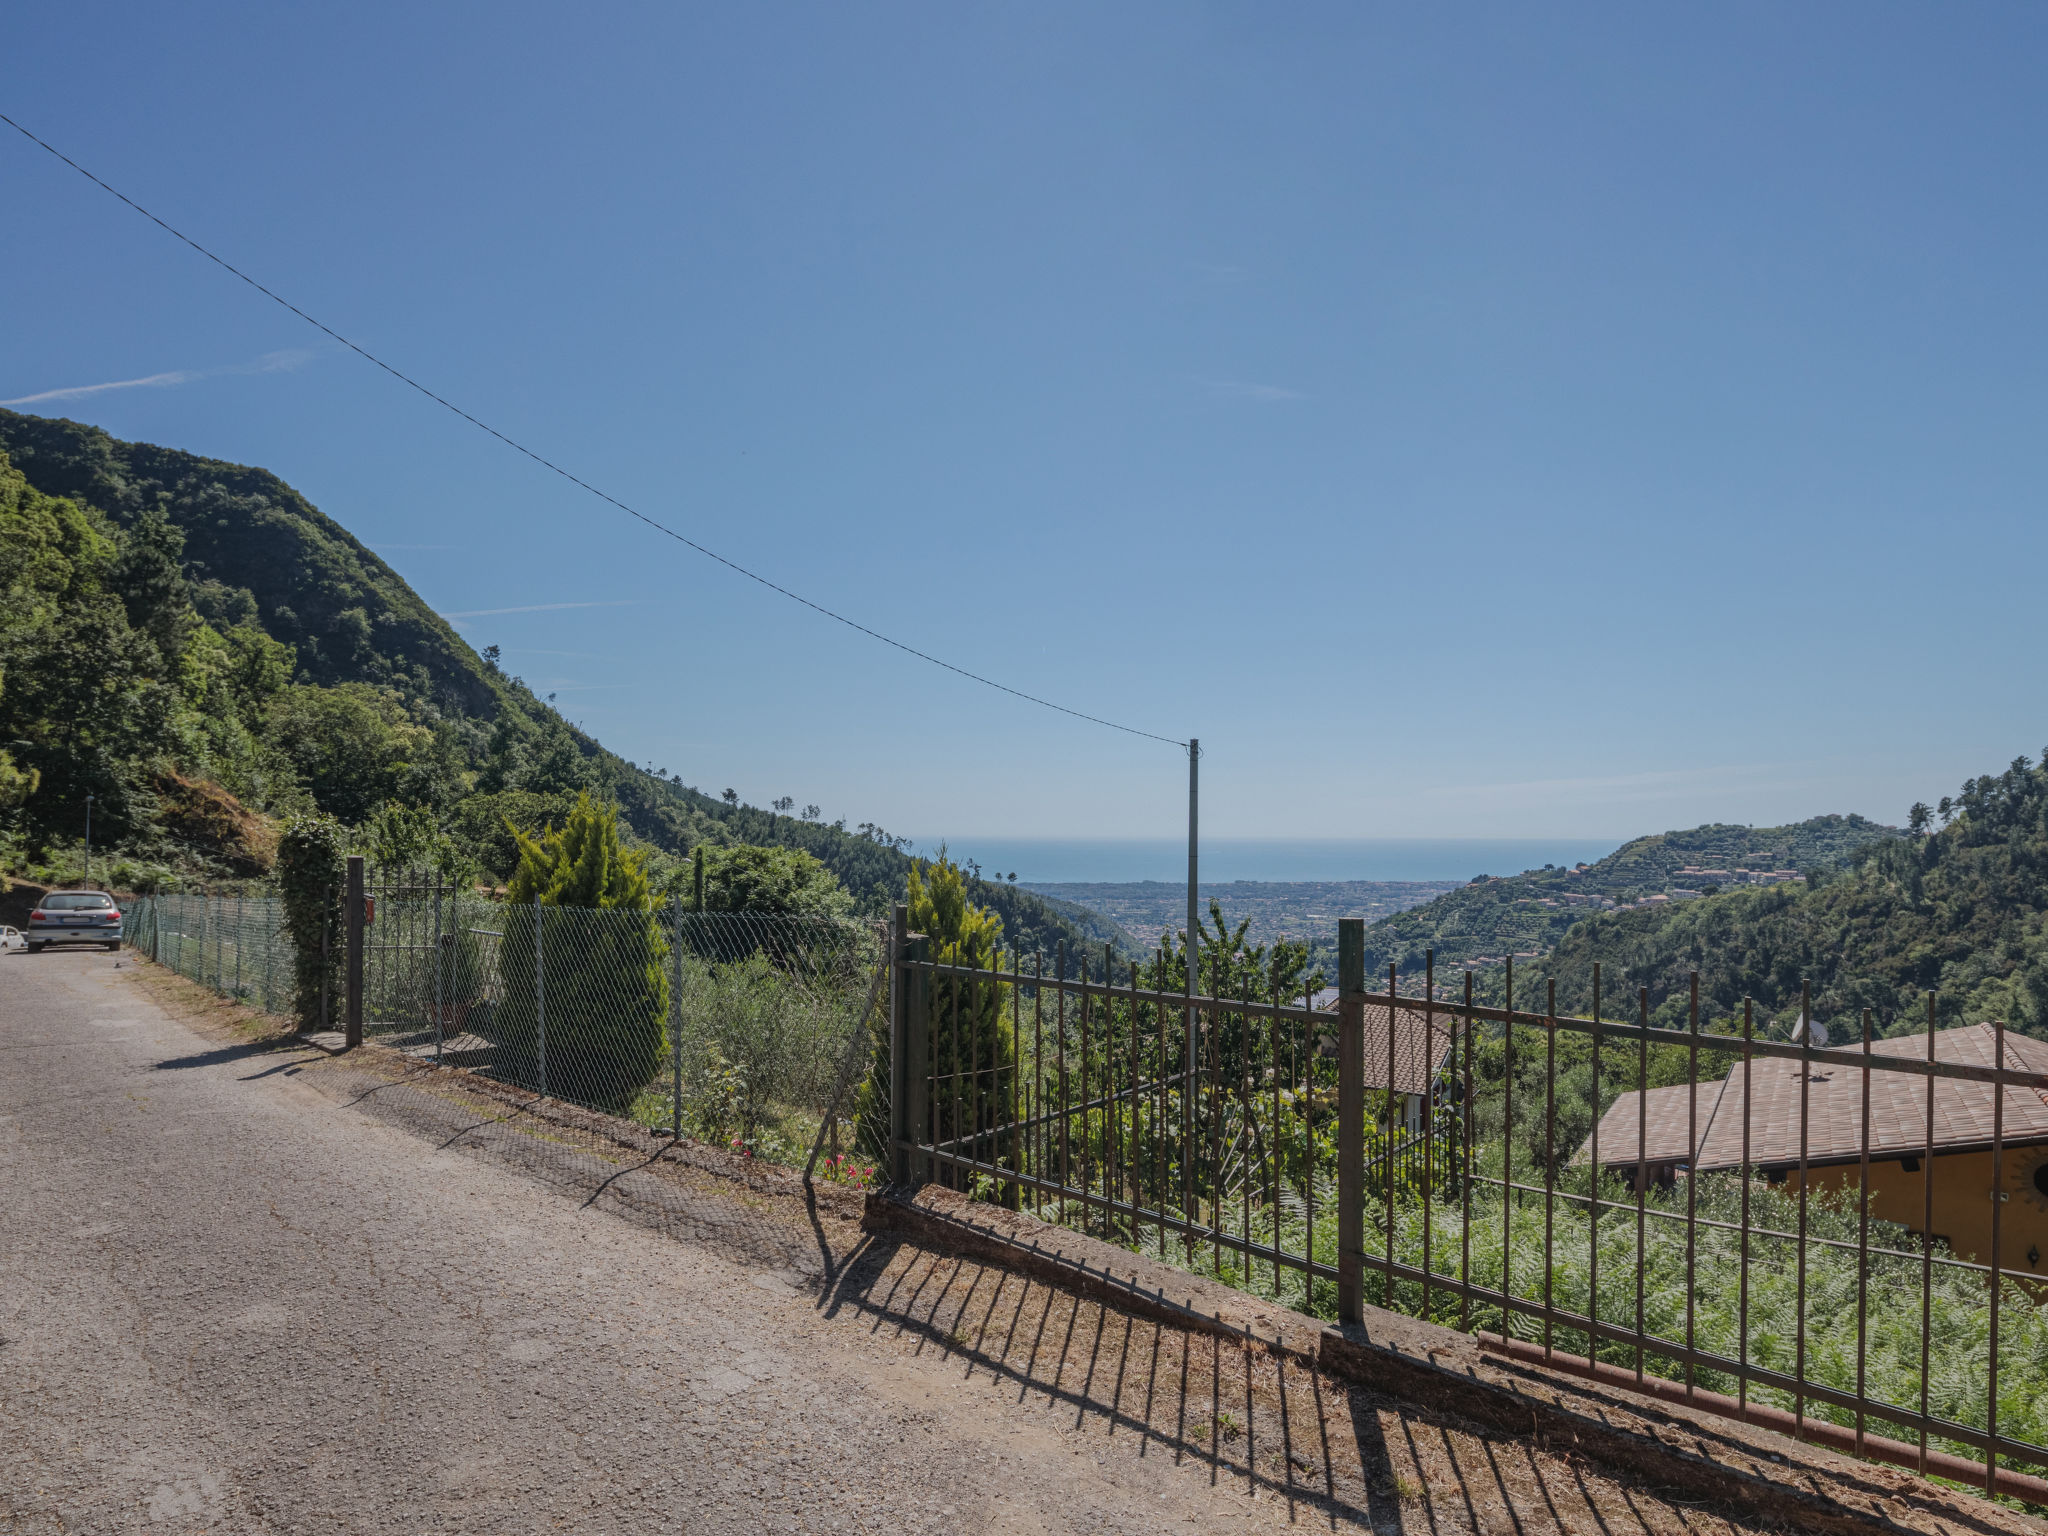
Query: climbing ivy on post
[[311, 858]]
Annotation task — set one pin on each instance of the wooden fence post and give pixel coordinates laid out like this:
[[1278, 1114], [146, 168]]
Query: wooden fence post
[[1350, 1118]]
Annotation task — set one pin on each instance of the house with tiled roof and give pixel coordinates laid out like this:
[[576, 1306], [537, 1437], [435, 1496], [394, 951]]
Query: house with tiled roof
[[1753, 1116]]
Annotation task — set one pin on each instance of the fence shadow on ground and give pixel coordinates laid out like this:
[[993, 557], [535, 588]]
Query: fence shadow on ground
[[1337, 1457]]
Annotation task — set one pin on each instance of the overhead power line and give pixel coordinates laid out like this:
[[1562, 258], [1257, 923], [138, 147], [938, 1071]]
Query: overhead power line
[[551, 465]]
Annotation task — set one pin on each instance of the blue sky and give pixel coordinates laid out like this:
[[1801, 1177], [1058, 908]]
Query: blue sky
[[1489, 421]]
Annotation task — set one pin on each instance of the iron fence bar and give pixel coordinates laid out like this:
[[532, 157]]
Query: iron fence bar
[[1805, 1126], [1087, 1133], [1206, 1233], [1215, 1123], [1465, 1182], [1387, 1121], [1997, 1282], [1692, 1151], [1927, 1242], [1278, 1160], [1041, 1142], [1742, 1304], [1135, 1172], [1248, 1133], [1592, 1217], [1613, 1029], [1642, 1160], [1863, 1239], [1016, 1074], [1060, 1045], [1160, 1181], [1732, 1226], [1549, 1170], [1429, 1110], [1507, 1145]]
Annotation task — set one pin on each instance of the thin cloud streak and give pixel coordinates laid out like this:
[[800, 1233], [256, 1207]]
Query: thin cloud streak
[[270, 362], [80, 391], [488, 613]]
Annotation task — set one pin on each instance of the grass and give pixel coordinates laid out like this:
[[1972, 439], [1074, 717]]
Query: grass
[[1737, 1309]]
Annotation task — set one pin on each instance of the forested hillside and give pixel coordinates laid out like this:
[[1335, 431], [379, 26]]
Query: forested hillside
[[1961, 910], [201, 649], [1529, 913]]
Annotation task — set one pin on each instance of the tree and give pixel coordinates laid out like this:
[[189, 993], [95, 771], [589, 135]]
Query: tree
[[785, 881], [585, 1003], [973, 1057], [149, 578], [1918, 818], [350, 744], [555, 766]]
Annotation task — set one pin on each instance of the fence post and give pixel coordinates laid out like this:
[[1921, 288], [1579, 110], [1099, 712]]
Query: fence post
[[675, 1025], [326, 959], [352, 958], [540, 1000], [899, 1046], [440, 964], [1350, 1118], [918, 1030]]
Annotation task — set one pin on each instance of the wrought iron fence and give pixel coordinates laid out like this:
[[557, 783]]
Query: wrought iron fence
[[235, 945], [1828, 1231]]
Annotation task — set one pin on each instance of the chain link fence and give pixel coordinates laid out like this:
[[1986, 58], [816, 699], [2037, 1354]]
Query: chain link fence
[[742, 1029], [236, 945]]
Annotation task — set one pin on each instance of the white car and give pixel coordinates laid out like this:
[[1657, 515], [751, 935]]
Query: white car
[[10, 938]]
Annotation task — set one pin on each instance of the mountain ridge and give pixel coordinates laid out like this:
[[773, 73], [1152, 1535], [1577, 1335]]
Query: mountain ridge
[[255, 558]]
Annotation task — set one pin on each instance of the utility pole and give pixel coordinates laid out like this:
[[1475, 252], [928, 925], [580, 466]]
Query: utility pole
[[1193, 947], [88, 841]]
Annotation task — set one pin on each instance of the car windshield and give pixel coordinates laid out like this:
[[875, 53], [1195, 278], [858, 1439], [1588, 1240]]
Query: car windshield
[[76, 901]]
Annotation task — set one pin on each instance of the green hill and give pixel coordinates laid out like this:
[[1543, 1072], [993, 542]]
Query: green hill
[[1962, 911], [204, 651], [1530, 913]]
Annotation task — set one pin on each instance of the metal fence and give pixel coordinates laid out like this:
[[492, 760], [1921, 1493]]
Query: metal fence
[[235, 945], [743, 1028], [1823, 1230]]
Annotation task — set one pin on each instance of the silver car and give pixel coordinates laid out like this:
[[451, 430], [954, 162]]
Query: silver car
[[75, 917]]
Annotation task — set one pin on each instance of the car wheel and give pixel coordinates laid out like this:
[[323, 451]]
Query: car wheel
[[116, 945], [35, 949]]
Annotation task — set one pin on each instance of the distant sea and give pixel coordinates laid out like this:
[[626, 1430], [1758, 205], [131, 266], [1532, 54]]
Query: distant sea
[[1061, 860]]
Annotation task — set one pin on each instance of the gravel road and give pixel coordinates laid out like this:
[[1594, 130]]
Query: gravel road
[[244, 1289], [230, 1304]]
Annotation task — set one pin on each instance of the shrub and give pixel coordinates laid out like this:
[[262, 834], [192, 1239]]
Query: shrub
[[310, 870], [591, 1025]]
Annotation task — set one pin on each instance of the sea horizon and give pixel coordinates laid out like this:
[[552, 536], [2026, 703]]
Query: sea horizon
[[1071, 861]]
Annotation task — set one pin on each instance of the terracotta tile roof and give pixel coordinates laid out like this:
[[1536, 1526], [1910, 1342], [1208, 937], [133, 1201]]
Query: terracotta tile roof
[[1420, 1046], [1666, 1110], [1898, 1107]]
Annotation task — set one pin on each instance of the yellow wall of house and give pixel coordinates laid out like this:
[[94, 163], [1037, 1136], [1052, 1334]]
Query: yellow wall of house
[[1962, 1202]]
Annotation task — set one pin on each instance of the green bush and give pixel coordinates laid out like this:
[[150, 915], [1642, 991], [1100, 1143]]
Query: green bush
[[311, 866], [591, 1025]]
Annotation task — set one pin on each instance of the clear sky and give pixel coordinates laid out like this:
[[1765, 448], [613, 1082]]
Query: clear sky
[[1492, 421]]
